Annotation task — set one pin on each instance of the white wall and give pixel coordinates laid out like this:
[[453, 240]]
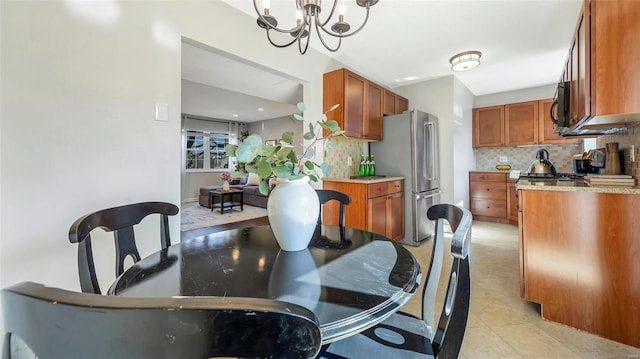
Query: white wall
[[77, 107], [463, 155], [528, 94], [274, 128]]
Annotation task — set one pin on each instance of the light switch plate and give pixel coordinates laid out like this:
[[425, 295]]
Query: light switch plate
[[504, 159], [349, 161], [162, 112]]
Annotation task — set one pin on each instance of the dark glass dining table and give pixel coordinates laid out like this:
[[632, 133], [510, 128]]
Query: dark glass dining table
[[351, 279]]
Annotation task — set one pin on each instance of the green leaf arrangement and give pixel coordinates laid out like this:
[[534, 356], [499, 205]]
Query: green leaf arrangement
[[280, 160]]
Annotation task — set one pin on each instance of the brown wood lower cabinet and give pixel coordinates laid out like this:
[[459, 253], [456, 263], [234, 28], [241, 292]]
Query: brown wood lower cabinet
[[579, 258], [512, 201], [488, 196], [375, 207]]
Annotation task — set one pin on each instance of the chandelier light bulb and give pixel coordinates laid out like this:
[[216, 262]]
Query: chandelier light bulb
[[342, 9], [266, 4]]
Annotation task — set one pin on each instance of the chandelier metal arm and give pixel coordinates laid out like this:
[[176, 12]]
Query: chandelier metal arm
[[351, 33], [310, 10], [281, 46], [322, 40], [333, 9], [268, 24], [306, 45]]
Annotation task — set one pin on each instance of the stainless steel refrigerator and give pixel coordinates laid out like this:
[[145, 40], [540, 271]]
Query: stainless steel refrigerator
[[410, 148]]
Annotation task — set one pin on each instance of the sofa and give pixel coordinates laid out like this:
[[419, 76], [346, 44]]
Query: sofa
[[251, 195]]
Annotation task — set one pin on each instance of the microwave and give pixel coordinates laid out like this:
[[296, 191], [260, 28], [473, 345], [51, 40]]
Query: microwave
[[560, 107]]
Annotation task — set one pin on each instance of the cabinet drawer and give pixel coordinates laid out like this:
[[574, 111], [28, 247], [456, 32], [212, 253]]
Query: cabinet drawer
[[488, 190], [395, 186], [485, 176], [489, 207], [376, 189], [384, 188]]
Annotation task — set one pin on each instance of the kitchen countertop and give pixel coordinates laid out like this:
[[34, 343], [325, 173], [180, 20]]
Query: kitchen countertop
[[573, 186], [363, 179], [491, 171]]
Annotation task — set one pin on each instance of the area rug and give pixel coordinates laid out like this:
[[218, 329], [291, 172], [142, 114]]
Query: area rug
[[194, 216]]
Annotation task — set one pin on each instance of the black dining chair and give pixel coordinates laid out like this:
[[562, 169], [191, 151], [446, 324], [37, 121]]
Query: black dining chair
[[326, 195], [405, 336], [55, 323], [321, 241], [120, 221]]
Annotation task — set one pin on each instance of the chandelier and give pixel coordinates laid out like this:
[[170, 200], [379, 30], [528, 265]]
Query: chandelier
[[308, 19]]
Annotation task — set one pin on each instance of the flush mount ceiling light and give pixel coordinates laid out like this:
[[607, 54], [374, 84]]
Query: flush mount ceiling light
[[465, 60], [307, 19]]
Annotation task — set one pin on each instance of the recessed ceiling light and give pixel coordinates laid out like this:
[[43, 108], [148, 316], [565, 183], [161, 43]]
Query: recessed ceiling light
[[260, 109], [235, 115], [408, 78]]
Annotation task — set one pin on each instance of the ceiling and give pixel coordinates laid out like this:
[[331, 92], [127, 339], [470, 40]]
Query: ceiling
[[524, 44], [220, 87]]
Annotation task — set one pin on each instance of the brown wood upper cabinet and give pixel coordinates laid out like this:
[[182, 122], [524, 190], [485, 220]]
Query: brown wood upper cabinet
[[363, 103], [403, 104], [360, 111], [523, 123], [394, 103], [488, 126], [601, 66]]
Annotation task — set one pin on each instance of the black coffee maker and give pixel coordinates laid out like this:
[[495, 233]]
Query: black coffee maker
[[591, 162], [581, 167]]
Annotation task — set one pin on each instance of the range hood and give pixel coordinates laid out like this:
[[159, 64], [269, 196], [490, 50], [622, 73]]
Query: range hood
[[601, 125]]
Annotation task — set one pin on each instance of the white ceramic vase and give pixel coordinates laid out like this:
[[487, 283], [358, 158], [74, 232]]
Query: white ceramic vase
[[225, 185], [293, 208]]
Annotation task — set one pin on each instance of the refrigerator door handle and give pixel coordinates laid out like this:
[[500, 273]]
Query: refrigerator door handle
[[431, 135], [432, 194]]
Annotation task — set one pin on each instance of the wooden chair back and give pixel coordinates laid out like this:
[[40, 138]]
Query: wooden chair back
[[452, 323], [59, 324], [119, 220], [326, 195]]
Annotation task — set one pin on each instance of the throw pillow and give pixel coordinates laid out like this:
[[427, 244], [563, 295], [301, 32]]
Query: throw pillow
[[253, 180]]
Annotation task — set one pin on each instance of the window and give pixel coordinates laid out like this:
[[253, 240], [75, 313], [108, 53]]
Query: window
[[206, 150], [217, 150], [195, 150]]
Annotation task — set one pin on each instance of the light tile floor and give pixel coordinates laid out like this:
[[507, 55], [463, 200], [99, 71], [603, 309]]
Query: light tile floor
[[501, 324]]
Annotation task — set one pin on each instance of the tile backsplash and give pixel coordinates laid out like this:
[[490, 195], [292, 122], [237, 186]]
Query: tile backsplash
[[336, 157], [520, 157], [488, 157], [625, 143]]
